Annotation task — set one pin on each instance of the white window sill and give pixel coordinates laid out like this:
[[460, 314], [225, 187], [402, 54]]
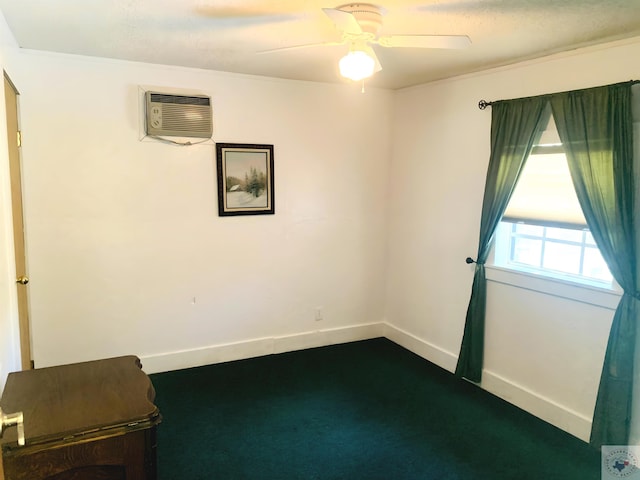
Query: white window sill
[[598, 296]]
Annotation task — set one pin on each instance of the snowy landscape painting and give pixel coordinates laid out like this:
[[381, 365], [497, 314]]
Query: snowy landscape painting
[[245, 179]]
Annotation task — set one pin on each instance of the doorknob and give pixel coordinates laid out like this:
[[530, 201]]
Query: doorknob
[[11, 419], [22, 280]]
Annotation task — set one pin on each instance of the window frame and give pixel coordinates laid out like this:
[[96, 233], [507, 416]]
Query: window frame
[[499, 258], [607, 298], [579, 288]]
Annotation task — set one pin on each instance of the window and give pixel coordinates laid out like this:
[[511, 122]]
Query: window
[[544, 231], [564, 253]]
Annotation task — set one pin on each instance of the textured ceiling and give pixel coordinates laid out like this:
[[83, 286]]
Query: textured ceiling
[[226, 35]]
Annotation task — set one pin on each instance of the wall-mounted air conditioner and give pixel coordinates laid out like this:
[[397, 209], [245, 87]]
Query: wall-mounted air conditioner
[[178, 115]]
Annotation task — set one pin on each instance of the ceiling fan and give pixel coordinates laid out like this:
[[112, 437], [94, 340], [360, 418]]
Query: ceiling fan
[[361, 24]]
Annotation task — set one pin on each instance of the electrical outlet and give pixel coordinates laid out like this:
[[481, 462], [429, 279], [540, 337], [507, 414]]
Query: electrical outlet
[[318, 314]]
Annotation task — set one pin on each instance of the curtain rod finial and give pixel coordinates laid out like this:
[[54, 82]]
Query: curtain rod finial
[[482, 104], [469, 260]]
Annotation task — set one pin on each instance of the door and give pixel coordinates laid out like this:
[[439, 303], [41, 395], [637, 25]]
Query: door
[[14, 140]]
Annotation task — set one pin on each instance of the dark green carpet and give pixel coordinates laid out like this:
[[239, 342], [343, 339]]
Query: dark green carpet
[[364, 410]]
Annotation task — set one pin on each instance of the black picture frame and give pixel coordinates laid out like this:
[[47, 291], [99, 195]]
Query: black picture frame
[[245, 179]]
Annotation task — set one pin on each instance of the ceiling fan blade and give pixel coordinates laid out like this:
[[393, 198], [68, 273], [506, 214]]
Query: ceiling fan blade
[[239, 17], [343, 20], [297, 47], [424, 41], [371, 52]]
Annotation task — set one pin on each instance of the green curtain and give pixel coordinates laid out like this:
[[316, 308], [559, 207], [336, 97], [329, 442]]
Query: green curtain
[[596, 130], [515, 127]]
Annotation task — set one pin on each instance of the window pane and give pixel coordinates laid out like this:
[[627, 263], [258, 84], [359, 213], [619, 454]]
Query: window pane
[[559, 252], [564, 234], [594, 265], [527, 251], [562, 257], [524, 229], [589, 239]]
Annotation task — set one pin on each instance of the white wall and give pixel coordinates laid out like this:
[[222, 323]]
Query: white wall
[[541, 351], [124, 234], [9, 332]]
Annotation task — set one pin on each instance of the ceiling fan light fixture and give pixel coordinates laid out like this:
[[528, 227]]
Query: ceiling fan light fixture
[[356, 65]]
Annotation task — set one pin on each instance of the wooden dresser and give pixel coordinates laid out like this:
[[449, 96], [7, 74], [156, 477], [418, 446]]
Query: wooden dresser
[[92, 420]]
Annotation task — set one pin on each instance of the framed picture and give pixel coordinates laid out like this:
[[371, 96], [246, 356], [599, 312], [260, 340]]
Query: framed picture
[[245, 179]]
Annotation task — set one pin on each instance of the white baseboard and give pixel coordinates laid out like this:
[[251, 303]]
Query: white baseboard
[[258, 347], [424, 349], [542, 407], [323, 338]]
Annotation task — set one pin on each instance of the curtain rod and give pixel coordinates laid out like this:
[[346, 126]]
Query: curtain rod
[[482, 104]]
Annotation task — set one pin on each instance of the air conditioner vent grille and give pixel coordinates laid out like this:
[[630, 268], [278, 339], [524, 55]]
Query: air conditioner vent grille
[[178, 115], [179, 99]]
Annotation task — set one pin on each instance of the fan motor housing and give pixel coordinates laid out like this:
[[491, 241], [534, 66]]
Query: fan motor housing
[[369, 16]]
